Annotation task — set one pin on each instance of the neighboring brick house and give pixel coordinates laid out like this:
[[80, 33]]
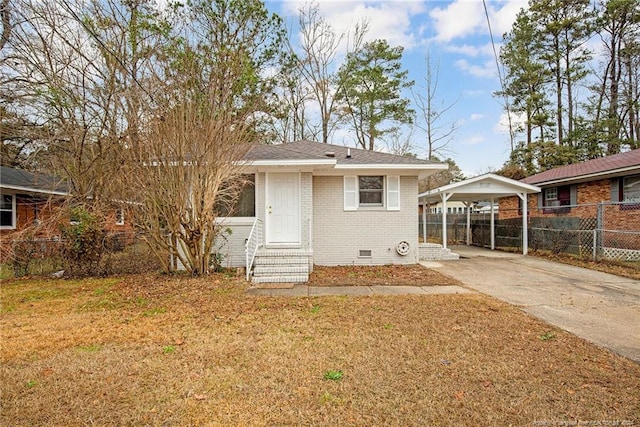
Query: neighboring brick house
[[315, 203], [27, 199], [30, 199], [574, 189], [583, 190]]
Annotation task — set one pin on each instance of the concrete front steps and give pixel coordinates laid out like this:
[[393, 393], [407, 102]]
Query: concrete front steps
[[281, 266], [435, 252]]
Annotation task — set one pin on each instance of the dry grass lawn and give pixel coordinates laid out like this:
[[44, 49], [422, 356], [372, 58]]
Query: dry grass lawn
[[390, 275], [149, 350]]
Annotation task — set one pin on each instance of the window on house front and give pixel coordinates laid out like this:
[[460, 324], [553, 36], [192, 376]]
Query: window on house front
[[550, 195], [245, 205], [7, 211], [370, 190], [557, 199], [630, 189]]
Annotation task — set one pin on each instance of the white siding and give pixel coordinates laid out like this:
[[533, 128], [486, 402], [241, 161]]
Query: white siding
[[232, 248], [339, 235], [306, 208]]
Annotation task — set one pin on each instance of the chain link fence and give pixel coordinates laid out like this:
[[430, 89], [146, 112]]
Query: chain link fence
[[602, 231]]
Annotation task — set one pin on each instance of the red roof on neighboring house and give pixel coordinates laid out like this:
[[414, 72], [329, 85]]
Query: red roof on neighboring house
[[610, 165]]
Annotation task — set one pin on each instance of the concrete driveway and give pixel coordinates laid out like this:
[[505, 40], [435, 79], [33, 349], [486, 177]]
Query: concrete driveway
[[601, 308]]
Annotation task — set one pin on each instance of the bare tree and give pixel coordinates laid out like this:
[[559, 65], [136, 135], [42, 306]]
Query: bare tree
[[319, 45], [68, 90], [19, 130], [316, 63], [400, 143], [289, 121], [193, 172], [431, 114], [5, 19]]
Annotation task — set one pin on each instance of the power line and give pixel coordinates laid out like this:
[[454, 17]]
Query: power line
[[495, 55]]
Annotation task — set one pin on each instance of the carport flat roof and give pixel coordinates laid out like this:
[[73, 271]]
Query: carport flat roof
[[483, 187]]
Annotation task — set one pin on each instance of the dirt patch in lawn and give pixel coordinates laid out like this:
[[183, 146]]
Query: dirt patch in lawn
[[390, 275], [148, 350]]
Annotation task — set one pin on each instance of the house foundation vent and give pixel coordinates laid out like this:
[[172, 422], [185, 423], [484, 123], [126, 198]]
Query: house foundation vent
[[364, 253]]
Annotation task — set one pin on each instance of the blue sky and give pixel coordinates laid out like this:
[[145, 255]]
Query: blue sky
[[456, 35]]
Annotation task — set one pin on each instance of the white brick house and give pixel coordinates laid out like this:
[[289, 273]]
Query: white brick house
[[323, 204]]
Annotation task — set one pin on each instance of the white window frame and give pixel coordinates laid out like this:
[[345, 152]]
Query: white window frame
[[13, 213], [635, 181], [381, 191], [390, 194], [551, 194]]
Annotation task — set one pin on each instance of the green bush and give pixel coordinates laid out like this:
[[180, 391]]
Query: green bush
[[82, 243]]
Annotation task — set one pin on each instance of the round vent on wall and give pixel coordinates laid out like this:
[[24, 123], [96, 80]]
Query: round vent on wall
[[403, 248]]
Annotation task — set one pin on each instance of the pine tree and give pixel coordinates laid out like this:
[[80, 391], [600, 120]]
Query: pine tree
[[370, 82]]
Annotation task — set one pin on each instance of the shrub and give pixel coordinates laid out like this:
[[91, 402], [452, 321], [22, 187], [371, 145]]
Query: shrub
[[82, 242]]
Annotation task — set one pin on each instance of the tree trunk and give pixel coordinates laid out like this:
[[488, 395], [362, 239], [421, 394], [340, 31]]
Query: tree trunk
[[559, 109]]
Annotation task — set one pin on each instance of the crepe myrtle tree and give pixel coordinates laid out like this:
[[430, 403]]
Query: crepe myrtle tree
[[202, 126], [194, 173]]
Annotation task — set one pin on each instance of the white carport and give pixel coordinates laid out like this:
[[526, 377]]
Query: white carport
[[488, 187]]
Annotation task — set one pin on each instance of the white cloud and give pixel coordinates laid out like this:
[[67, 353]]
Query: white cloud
[[486, 70], [458, 19], [462, 27], [502, 126], [472, 50], [503, 18], [390, 20], [463, 18], [474, 93], [477, 116], [474, 140]]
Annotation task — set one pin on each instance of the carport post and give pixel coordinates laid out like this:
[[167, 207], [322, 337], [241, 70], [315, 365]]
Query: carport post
[[445, 197], [493, 227], [525, 223], [468, 206]]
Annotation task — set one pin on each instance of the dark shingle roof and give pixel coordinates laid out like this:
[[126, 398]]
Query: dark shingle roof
[[18, 179], [602, 166], [307, 150]]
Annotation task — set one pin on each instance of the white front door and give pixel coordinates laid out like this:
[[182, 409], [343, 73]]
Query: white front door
[[283, 208]]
